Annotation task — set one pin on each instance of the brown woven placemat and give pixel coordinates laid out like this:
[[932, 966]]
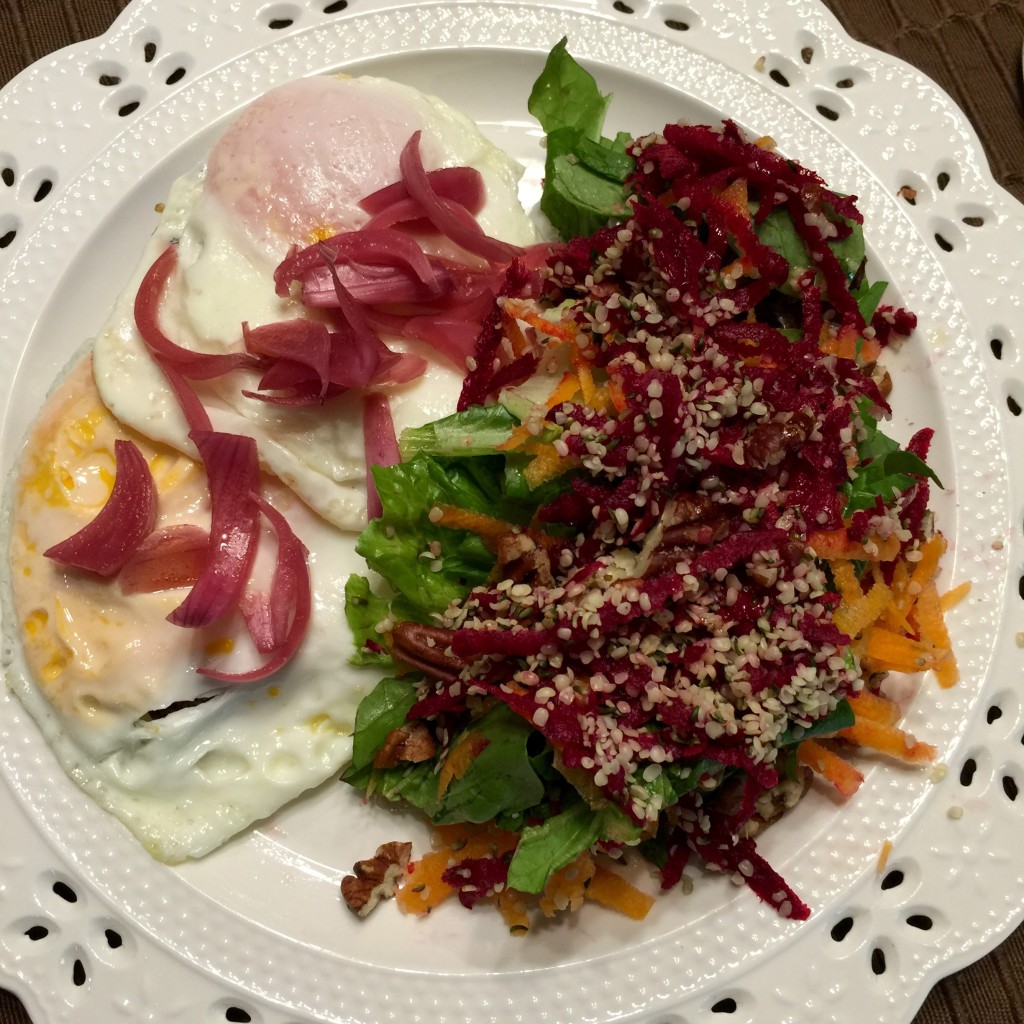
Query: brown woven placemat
[[972, 49]]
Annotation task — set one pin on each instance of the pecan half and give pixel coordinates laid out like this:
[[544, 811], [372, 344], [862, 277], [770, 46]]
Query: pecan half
[[769, 443], [375, 879], [427, 648], [410, 743]]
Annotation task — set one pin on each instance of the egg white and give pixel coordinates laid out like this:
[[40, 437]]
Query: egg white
[[92, 665], [227, 255]]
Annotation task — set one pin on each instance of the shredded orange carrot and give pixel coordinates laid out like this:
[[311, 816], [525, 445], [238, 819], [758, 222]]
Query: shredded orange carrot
[[932, 626], [878, 709], [906, 631], [457, 761], [546, 465], [585, 373], [616, 395], [567, 887], [563, 330], [886, 651], [883, 857], [854, 618], [924, 570], [735, 194], [516, 338], [888, 739], [512, 905], [848, 345], [951, 598], [487, 527], [830, 766], [846, 580], [423, 887], [466, 839], [894, 618], [836, 544], [520, 436], [613, 891], [564, 390]]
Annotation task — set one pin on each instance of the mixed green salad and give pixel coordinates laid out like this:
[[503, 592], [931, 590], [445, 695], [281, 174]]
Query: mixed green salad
[[610, 597]]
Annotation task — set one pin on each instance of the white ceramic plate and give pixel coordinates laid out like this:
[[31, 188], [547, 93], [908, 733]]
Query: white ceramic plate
[[92, 931]]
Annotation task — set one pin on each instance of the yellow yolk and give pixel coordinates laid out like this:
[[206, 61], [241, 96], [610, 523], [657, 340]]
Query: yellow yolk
[[95, 652]]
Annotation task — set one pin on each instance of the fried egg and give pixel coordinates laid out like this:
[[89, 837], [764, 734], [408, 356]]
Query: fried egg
[[292, 168], [183, 761]]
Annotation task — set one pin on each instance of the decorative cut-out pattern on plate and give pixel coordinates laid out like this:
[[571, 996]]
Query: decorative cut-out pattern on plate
[[144, 935]]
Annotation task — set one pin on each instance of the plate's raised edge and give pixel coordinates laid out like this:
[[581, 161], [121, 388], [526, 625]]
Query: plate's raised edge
[[817, 11]]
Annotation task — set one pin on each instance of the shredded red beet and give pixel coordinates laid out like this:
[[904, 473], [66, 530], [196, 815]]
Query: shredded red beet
[[476, 878], [109, 540]]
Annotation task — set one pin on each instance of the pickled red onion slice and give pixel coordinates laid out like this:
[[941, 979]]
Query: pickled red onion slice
[[233, 477], [378, 248], [306, 342], [255, 609], [462, 185], [359, 357], [110, 539], [166, 559], [449, 218], [192, 408], [291, 582], [380, 444], [193, 365], [375, 283]]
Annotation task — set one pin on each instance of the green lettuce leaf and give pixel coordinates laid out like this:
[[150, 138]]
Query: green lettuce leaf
[[545, 848], [676, 780], [867, 297], [363, 610], [559, 840], [476, 431], [502, 781], [566, 96], [778, 232], [840, 718], [379, 713], [398, 545], [501, 778], [584, 172], [886, 469]]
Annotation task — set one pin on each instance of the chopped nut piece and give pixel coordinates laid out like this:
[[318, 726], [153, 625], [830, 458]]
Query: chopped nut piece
[[375, 879], [409, 743], [521, 560]]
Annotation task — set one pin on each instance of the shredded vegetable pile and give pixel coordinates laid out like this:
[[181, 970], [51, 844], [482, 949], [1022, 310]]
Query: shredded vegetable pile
[[651, 573]]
